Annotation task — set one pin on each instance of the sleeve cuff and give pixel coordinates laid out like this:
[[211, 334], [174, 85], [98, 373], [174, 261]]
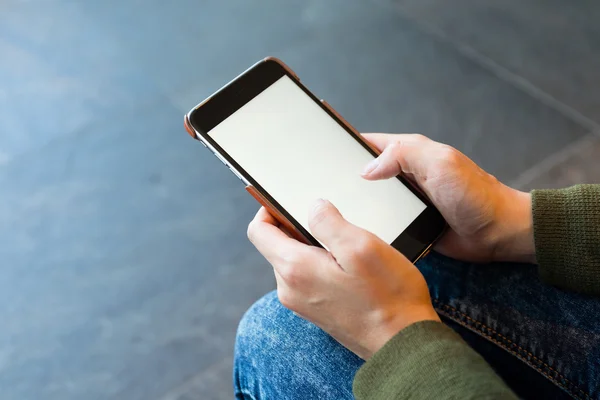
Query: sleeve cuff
[[427, 360], [566, 226]]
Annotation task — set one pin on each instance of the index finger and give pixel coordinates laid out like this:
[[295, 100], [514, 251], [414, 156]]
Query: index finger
[[265, 216], [269, 239]]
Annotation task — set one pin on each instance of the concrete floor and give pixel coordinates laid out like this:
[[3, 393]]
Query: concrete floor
[[125, 265]]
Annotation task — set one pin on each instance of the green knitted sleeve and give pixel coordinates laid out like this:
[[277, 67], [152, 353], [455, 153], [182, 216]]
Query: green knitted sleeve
[[566, 226], [428, 360]]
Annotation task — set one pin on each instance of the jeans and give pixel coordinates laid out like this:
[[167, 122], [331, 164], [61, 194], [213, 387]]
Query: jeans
[[544, 342]]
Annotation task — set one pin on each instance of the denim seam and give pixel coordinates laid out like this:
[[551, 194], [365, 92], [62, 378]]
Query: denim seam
[[246, 394], [564, 383]]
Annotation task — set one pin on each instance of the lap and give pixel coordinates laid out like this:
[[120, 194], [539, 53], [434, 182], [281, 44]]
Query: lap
[[528, 331], [279, 355], [542, 341]]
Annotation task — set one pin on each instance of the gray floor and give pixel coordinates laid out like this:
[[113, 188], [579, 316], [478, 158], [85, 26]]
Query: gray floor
[[125, 266]]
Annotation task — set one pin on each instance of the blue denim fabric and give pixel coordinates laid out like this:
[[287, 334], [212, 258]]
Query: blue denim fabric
[[545, 343]]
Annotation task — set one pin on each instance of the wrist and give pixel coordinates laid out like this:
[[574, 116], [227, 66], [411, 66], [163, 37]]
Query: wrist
[[387, 331], [514, 228]]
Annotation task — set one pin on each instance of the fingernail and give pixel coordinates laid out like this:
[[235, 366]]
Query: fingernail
[[320, 202], [370, 167]]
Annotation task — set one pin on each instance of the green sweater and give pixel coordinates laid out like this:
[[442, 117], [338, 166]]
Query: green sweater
[[428, 360]]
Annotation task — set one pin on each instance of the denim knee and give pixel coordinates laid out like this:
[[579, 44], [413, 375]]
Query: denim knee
[[280, 355], [260, 342], [263, 319]]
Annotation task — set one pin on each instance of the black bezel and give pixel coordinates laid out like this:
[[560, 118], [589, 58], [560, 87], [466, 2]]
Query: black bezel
[[413, 242]]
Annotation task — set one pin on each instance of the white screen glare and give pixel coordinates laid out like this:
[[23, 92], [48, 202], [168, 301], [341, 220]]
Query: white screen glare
[[298, 154]]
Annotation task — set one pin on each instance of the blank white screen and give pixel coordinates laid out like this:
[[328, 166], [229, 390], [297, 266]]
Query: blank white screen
[[298, 154]]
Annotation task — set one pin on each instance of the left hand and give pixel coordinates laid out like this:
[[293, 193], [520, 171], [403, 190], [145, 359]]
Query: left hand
[[362, 292]]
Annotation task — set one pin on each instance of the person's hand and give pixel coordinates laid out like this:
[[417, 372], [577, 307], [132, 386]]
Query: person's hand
[[489, 221], [362, 291]]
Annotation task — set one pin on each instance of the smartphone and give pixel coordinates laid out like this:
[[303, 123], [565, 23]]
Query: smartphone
[[289, 148]]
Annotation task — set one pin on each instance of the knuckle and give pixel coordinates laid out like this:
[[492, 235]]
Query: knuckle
[[292, 277], [448, 154], [392, 153], [493, 179], [420, 137], [363, 246], [292, 258], [285, 298], [395, 147], [288, 272], [291, 269]]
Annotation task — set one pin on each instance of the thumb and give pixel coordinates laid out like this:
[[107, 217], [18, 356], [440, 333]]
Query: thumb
[[398, 157], [329, 226]]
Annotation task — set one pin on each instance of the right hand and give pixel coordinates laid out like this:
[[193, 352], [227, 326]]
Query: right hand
[[488, 220]]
